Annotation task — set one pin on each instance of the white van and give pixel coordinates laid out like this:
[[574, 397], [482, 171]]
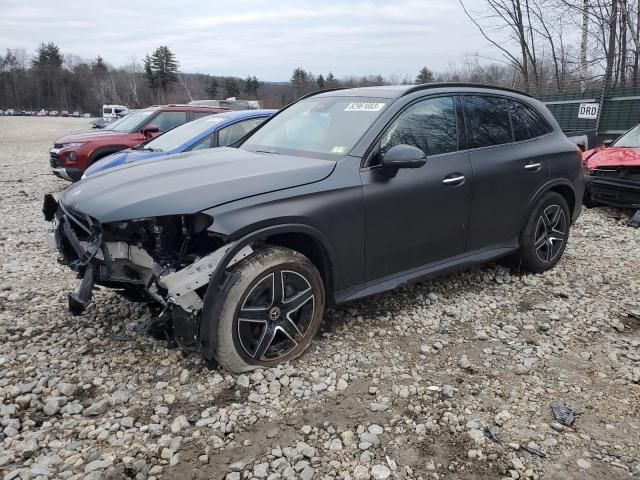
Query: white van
[[112, 112]]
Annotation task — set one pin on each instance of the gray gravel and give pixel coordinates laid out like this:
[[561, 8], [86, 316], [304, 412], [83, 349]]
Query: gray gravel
[[402, 385]]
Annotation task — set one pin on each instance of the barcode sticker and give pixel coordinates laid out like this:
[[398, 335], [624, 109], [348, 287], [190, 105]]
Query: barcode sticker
[[364, 107]]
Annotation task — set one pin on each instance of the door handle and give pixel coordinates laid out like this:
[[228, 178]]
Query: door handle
[[533, 166], [453, 181]]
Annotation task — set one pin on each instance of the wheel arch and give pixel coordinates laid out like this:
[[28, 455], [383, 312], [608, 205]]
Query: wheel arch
[[102, 152], [559, 186], [305, 239]]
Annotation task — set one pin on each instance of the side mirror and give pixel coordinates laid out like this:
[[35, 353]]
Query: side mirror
[[402, 156], [607, 142], [149, 130]]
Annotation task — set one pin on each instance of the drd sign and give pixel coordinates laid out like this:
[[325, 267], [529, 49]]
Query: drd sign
[[589, 111]]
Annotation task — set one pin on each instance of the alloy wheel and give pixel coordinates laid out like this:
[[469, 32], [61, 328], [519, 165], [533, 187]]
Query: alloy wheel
[[275, 315], [550, 233]]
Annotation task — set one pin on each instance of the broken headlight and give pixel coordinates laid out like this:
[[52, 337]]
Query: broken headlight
[[169, 239]]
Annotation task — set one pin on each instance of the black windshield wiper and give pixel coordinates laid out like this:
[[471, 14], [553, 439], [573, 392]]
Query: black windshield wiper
[[150, 149], [271, 152]]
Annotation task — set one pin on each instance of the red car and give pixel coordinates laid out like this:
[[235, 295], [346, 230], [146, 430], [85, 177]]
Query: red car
[[613, 173], [72, 154]]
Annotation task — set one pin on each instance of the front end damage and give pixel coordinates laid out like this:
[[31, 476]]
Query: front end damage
[[614, 186], [171, 259]]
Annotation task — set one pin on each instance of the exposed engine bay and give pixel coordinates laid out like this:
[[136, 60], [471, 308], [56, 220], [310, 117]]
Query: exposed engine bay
[[171, 259]]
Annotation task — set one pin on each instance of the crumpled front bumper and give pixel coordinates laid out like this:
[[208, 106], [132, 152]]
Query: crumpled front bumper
[[612, 191], [79, 240]]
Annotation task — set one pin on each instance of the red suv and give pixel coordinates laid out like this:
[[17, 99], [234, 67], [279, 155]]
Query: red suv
[[72, 154]]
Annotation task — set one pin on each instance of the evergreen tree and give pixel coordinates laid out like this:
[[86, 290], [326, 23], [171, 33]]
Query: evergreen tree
[[212, 88], [99, 67], [320, 82], [424, 76], [47, 66], [299, 81], [251, 85], [231, 87], [165, 68], [150, 75], [331, 81]]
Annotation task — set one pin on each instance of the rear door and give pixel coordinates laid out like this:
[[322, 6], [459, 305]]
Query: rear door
[[509, 165], [419, 216]]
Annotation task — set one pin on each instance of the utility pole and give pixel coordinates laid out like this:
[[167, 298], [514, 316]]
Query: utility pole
[[583, 45]]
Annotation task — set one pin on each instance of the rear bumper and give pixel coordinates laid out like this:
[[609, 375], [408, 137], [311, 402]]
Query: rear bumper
[[613, 192]]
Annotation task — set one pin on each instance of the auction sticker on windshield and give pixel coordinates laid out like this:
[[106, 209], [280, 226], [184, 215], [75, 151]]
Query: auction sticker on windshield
[[364, 107]]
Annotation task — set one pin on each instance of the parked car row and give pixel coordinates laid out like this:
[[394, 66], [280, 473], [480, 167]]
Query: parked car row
[[42, 113], [344, 194], [72, 154]]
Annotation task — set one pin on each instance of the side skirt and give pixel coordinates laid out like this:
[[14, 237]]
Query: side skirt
[[424, 272]]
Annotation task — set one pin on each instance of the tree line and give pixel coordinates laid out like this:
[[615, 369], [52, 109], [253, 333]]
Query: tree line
[[49, 79], [544, 46]]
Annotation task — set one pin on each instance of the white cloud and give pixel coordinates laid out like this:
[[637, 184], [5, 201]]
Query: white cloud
[[268, 39]]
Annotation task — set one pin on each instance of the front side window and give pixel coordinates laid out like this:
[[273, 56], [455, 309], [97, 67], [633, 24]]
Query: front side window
[[526, 122], [429, 125], [168, 120], [319, 127], [488, 120], [232, 133], [182, 133], [206, 142]]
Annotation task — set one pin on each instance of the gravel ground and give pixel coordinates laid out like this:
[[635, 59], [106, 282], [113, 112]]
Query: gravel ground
[[447, 379]]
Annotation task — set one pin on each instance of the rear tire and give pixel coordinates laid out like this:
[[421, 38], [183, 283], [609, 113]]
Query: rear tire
[[545, 235], [272, 310]]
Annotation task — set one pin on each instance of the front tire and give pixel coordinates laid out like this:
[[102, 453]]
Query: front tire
[[272, 310], [544, 238]]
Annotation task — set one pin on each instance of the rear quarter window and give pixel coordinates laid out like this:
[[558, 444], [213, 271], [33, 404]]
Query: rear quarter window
[[487, 120], [526, 122]]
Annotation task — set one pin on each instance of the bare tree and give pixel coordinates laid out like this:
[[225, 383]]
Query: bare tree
[[507, 14]]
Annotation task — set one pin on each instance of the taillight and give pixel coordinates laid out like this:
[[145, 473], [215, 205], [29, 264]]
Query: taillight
[[581, 157]]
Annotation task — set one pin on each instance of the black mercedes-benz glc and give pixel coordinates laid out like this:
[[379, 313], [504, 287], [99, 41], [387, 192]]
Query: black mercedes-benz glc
[[342, 194]]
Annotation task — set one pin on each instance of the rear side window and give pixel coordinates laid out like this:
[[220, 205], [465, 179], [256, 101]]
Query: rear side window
[[168, 120], [429, 125], [195, 115], [488, 120], [526, 122]]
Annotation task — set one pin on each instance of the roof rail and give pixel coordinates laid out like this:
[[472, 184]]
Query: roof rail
[[425, 86]]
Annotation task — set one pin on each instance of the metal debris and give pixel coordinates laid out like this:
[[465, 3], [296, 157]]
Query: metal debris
[[534, 451], [563, 414], [392, 464], [492, 434]]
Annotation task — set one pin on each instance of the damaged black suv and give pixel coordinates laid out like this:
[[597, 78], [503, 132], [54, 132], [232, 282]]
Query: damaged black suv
[[341, 195]]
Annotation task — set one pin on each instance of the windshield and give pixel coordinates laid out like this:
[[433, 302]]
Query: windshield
[[179, 135], [326, 127], [131, 122], [630, 139]]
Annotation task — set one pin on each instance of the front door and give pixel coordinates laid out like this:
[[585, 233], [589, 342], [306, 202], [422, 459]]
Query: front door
[[420, 216]]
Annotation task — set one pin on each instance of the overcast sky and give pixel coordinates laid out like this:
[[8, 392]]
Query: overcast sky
[[263, 38]]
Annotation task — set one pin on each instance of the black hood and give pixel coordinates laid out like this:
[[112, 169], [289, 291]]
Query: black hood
[[189, 182]]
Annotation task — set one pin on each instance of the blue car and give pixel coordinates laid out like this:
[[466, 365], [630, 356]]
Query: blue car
[[217, 130]]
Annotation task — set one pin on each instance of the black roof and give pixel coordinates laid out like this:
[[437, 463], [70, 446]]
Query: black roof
[[396, 91]]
